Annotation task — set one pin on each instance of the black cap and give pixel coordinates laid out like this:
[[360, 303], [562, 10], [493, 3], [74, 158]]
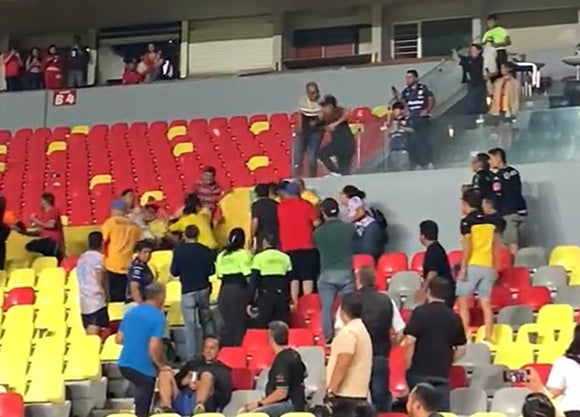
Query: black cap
[[329, 100], [329, 207]]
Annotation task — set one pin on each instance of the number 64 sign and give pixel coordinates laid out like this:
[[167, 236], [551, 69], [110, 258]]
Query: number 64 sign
[[64, 98]]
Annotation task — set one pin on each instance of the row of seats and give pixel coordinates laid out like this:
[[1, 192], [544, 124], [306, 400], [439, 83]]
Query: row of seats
[[84, 167]]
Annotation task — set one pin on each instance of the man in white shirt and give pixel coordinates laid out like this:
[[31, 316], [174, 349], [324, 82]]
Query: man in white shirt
[[379, 315]]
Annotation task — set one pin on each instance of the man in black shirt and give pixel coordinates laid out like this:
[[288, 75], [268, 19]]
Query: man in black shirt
[[435, 262], [434, 339], [264, 217], [511, 202], [203, 384], [285, 387], [483, 180], [78, 62], [193, 263], [475, 78]]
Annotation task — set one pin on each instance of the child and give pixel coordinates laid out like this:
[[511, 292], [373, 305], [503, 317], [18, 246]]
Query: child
[[400, 133]]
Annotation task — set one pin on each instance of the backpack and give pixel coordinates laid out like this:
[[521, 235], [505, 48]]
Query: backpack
[[382, 221]]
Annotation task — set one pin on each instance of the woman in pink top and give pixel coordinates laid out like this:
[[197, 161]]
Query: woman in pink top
[[49, 227]]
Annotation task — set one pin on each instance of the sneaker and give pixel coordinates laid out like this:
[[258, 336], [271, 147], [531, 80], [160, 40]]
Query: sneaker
[[162, 410], [199, 409]]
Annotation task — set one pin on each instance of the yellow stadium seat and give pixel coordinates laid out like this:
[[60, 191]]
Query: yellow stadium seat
[[215, 415], [83, 359], [182, 148], [19, 320], [574, 277], [21, 278], [3, 279], [57, 146], [304, 414], [45, 389], [154, 194], [514, 355], [502, 334], [252, 415], [40, 367], [567, 256], [17, 264], [121, 415], [488, 414], [100, 179], [175, 131], [81, 129], [160, 263], [447, 414], [173, 294], [170, 415], [38, 264], [111, 350], [51, 317], [174, 316], [116, 311], [549, 352], [52, 296], [51, 277], [12, 367], [257, 161], [552, 318], [356, 128], [259, 127], [381, 111], [72, 280]]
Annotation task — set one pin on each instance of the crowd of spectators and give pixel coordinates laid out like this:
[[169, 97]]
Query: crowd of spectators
[[151, 66]]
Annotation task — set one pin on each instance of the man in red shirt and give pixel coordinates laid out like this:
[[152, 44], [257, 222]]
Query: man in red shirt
[[297, 219], [49, 227], [131, 75], [12, 67], [209, 192]]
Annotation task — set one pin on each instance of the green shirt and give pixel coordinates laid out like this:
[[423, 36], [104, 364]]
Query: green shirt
[[496, 35], [272, 262], [334, 239], [234, 263]]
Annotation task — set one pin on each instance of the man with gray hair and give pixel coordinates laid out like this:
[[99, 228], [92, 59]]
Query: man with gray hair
[[142, 357], [285, 387]]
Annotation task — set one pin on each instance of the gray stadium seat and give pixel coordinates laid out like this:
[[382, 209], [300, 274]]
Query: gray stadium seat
[[477, 354], [551, 276], [395, 298], [569, 295], [515, 316], [410, 303], [262, 380], [467, 401], [509, 401], [532, 257], [315, 383], [404, 283], [241, 398], [488, 378]]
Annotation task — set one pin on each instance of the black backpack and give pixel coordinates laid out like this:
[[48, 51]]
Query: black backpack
[[382, 221]]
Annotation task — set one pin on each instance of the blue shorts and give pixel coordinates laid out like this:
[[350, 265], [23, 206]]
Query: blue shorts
[[477, 278]]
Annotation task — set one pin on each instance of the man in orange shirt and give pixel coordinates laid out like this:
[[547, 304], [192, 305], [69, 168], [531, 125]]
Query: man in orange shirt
[[120, 235]]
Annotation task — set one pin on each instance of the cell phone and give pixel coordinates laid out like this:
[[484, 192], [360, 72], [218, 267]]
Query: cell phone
[[516, 376]]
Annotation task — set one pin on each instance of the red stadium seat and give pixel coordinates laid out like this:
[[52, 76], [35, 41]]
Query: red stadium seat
[[500, 297], [19, 296], [11, 405], [406, 314], [261, 359], [535, 297], [505, 259], [69, 263], [457, 377], [397, 380], [543, 370], [388, 265], [360, 261], [234, 357], [515, 278], [417, 262], [454, 257], [254, 339], [300, 337], [309, 305], [242, 378]]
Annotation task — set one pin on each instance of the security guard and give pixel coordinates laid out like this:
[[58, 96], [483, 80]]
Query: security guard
[[419, 101], [233, 268], [269, 285]]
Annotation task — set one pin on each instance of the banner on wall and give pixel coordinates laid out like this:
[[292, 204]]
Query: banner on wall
[[62, 98]]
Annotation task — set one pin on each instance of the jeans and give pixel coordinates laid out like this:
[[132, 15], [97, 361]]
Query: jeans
[[476, 99], [76, 78], [330, 284], [380, 393], [370, 240], [277, 409], [195, 311], [306, 143], [142, 388], [441, 385], [420, 146]]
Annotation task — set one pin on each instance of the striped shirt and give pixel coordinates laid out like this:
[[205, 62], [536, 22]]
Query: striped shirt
[[209, 195]]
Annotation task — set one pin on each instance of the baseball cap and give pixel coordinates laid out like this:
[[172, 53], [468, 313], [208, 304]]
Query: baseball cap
[[329, 207], [292, 189], [329, 100], [119, 205]]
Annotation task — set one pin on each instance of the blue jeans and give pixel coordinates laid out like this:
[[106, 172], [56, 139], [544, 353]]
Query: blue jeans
[[330, 284], [276, 410], [195, 311], [306, 143], [380, 393], [441, 385]]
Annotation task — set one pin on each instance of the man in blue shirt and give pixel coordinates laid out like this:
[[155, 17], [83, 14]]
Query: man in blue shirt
[[419, 101], [142, 357]]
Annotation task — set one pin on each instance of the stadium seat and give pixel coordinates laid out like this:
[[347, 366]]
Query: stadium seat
[[38, 264], [252, 415], [476, 354], [388, 265], [234, 357], [549, 352], [360, 261], [11, 405], [254, 340], [515, 316], [488, 378], [500, 297], [173, 290], [242, 378], [309, 305], [397, 380], [457, 377], [21, 278], [514, 278], [51, 277], [565, 256], [551, 276], [261, 358], [298, 414], [574, 279], [570, 296], [300, 337], [417, 262], [466, 401], [160, 262], [535, 297], [69, 263], [454, 257], [111, 350], [509, 401], [19, 296], [514, 355], [239, 399], [116, 311], [542, 369], [404, 283], [531, 257], [501, 334]]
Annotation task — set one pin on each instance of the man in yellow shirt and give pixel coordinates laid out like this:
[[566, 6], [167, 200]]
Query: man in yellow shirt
[[195, 215], [120, 235], [306, 194]]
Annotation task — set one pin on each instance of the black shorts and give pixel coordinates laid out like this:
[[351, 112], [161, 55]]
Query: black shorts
[[99, 318], [305, 264], [117, 286]]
